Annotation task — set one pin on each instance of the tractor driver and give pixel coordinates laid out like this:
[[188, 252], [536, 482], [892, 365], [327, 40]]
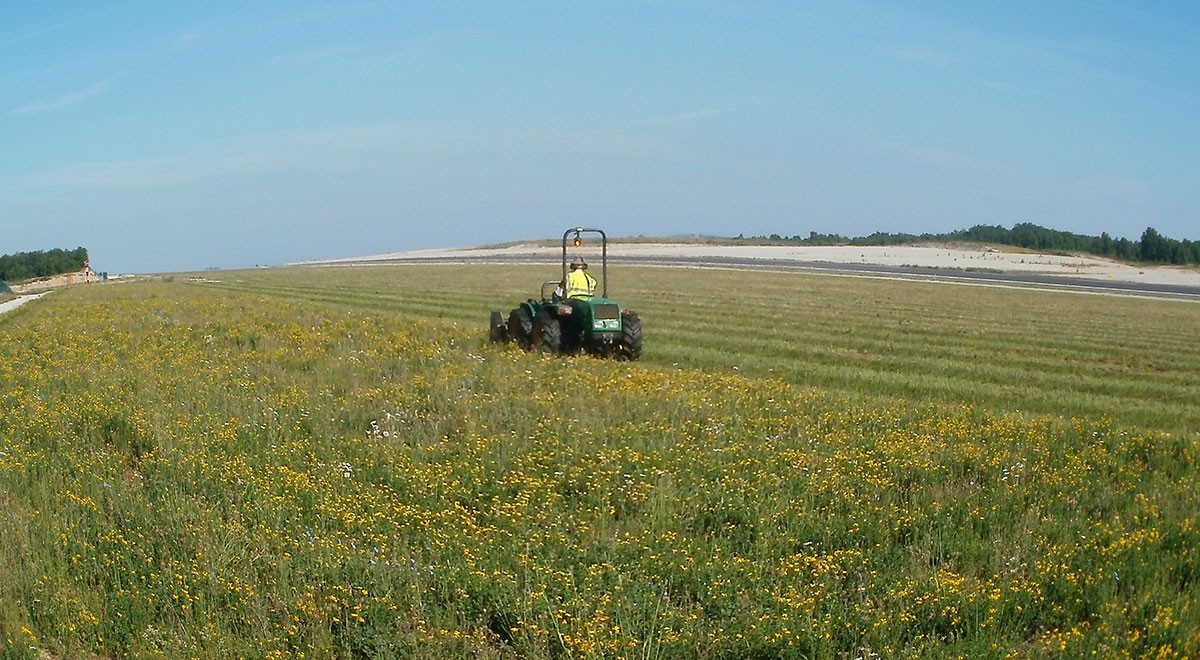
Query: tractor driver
[[580, 283]]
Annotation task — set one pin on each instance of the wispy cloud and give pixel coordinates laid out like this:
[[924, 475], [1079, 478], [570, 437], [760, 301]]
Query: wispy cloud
[[168, 171], [236, 157], [76, 18], [13, 39], [69, 99], [378, 149]]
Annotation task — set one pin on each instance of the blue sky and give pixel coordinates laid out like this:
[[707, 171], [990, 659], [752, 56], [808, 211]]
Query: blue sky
[[171, 136]]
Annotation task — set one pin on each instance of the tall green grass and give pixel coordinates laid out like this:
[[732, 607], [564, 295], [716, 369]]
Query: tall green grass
[[335, 463]]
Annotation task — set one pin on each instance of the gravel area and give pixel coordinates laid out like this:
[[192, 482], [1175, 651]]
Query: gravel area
[[963, 258]]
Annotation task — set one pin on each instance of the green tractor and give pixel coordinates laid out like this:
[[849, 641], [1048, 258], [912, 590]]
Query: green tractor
[[566, 321]]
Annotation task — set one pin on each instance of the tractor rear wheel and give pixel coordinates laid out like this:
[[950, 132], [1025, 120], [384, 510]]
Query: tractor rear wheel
[[631, 337], [520, 327], [547, 333]]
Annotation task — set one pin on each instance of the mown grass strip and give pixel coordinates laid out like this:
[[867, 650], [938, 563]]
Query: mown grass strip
[[1031, 351]]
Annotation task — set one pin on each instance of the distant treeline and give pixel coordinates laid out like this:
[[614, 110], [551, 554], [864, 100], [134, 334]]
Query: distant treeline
[[41, 263], [1152, 247]]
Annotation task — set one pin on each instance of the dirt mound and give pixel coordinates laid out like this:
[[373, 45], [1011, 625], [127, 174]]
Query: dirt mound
[[43, 284]]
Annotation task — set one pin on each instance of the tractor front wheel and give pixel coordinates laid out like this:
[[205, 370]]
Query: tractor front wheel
[[547, 333], [631, 337]]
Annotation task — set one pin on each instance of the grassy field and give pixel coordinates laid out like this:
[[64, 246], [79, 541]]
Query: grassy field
[[335, 463], [1130, 360]]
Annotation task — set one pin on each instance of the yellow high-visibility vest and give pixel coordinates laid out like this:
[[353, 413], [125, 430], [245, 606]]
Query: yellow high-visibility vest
[[580, 284]]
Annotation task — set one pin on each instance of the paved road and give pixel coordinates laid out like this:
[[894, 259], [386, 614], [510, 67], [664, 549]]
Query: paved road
[[17, 302], [1060, 282]]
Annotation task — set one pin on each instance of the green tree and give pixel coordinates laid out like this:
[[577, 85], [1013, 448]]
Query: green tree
[[1152, 246], [41, 263]]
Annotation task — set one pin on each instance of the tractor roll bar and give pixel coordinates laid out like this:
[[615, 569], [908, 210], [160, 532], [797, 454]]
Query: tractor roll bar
[[603, 253]]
